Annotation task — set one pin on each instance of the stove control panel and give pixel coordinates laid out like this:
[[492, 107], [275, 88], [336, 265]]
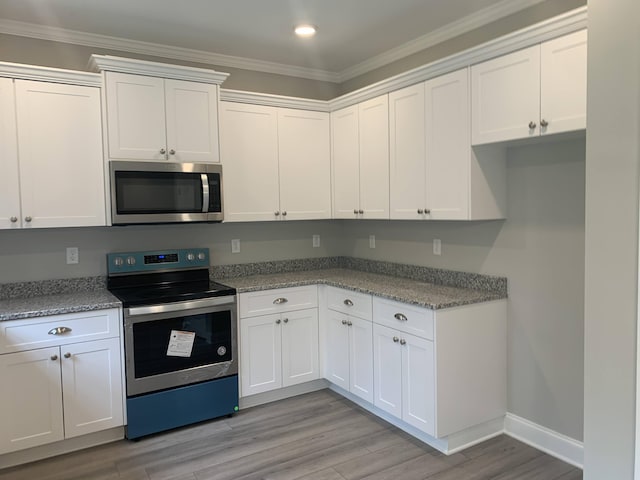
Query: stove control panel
[[134, 262]]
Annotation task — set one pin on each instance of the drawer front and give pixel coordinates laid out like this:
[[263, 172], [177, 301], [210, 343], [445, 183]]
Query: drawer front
[[406, 318], [278, 300], [19, 335], [350, 302]]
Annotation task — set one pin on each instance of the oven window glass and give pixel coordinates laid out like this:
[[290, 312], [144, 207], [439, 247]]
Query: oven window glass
[[211, 343], [158, 192]]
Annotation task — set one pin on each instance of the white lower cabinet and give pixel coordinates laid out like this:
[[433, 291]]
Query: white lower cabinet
[[278, 348], [60, 391]]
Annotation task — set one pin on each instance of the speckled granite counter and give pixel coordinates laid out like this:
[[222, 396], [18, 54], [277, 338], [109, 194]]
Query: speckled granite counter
[[405, 290]]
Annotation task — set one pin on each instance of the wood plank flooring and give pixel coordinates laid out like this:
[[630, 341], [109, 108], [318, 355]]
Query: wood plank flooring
[[317, 436]]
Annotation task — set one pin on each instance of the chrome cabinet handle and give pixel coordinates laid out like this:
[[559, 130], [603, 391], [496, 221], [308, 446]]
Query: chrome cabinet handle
[[54, 357], [348, 303], [13, 219], [163, 151], [278, 322], [27, 219], [59, 331], [355, 211], [532, 125], [349, 323], [172, 152], [284, 214], [544, 123], [361, 212], [276, 213], [67, 355], [344, 322], [396, 339], [403, 341], [286, 320], [401, 317], [420, 211], [280, 301], [427, 211]]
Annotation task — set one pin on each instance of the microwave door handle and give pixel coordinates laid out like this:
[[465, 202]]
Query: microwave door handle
[[205, 192]]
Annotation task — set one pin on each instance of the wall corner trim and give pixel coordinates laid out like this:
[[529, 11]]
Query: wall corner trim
[[544, 439]]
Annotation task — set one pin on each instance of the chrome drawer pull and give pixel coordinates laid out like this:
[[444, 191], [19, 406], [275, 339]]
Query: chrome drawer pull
[[348, 303], [403, 341], [59, 331], [280, 301], [401, 317]]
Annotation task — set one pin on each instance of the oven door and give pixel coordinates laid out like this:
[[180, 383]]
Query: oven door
[[151, 192], [175, 344]]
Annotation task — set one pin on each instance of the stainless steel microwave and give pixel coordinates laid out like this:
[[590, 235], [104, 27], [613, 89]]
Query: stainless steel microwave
[[154, 192]]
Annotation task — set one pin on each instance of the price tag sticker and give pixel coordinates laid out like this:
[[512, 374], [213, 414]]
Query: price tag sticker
[[180, 343]]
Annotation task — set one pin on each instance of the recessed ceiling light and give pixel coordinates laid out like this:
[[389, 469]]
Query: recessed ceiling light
[[305, 30]]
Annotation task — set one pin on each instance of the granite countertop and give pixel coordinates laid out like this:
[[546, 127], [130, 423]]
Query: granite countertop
[[55, 304], [405, 290]]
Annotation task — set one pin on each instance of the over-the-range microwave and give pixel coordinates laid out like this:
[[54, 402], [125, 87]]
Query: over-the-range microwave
[[155, 192]]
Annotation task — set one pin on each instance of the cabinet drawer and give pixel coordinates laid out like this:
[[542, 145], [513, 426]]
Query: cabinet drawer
[[278, 300], [406, 318], [349, 302], [18, 335]]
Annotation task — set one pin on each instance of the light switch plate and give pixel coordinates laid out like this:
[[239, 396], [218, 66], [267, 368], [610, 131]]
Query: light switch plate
[[72, 255], [437, 246], [372, 241], [316, 241], [235, 245]]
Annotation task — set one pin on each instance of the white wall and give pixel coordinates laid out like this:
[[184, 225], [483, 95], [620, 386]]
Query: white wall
[[611, 293]]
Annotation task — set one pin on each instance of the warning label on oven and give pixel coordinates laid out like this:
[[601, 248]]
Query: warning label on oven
[[180, 343]]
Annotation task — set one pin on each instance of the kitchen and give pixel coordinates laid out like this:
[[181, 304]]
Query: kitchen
[[545, 229]]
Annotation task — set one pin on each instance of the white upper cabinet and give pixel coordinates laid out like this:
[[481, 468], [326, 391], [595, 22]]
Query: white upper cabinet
[[59, 139], [535, 91], [360, 141], [151, 118], [276, 163]]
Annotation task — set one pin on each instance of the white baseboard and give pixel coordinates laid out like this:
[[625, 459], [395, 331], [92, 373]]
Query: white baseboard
[[555, 444]]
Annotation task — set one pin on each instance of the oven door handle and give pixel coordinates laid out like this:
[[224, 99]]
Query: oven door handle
[[181, 306]]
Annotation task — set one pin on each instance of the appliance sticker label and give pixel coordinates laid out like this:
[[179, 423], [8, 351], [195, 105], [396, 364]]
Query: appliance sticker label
[[180, 343]]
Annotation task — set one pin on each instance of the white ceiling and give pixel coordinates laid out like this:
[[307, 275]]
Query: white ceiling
[[354, 36]]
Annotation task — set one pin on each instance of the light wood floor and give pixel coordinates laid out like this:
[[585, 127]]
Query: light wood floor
[[318, 436]]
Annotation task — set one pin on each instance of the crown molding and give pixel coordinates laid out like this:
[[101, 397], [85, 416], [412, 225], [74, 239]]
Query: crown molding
[[56, 34], [99, 63], [540, 32], [46, 74], [239, 96]]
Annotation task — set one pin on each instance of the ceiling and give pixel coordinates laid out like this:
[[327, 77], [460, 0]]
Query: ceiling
[[354, 36]]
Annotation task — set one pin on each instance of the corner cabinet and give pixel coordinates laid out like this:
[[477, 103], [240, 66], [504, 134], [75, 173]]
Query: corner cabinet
[[51, 174], [160, 112], [434, 173], [540, 90], [276, 163], [278, 338], [63, 385]]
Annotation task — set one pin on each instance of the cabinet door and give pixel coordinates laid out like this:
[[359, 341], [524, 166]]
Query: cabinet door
[[305, 164], [346, 162], [136, 117], [61, 161], [92, 385], [9, 178], [563, 83], [387, 370], [249, 154], [337, 349], [31, 399], [418, 383], [300, 361], [361, 358], [407, 152], [192, 121], [505, 96], [448, 146], [374, 157], [260, 353]]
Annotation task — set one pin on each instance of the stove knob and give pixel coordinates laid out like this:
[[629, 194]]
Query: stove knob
[[201, 256], [191, 257], [131, 261], [118, 261]]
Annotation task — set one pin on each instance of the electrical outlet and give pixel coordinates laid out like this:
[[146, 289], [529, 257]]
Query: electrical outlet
[[316, 241], [437, 246], [235, 245], [372, 241], [72, 255]]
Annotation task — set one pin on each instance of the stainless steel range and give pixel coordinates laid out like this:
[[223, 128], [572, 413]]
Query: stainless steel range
[[180, 337]]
